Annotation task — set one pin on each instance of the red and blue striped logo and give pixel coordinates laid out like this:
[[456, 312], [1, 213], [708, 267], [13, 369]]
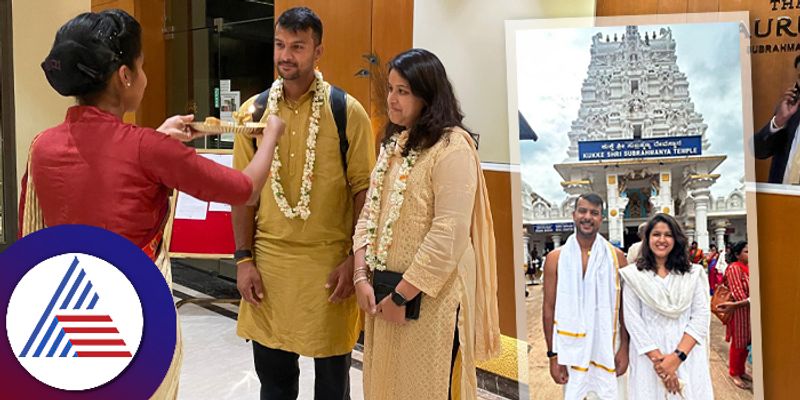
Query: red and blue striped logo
[[76, 327]]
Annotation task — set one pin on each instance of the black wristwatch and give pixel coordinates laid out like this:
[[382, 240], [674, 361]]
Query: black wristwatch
[[551, 354], [681, 355], [398, 299], [242, 254]]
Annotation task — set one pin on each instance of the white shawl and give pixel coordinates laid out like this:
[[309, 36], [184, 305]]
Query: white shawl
[[672, 299], [583, 338]]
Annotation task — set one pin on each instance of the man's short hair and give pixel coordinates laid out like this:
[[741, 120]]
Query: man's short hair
[[301, 19], [592, 198]]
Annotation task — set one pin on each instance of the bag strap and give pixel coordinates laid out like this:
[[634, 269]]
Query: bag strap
[[260, 107], [338, 101]]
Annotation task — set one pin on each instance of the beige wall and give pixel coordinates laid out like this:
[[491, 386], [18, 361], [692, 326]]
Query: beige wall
[[37, 106], [469, 37]]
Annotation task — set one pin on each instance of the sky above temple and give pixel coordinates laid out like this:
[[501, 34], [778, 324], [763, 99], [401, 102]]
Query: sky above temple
[[553, 63]]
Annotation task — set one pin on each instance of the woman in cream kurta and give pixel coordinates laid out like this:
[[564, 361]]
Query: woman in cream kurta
[[431, 247], [442, 241]]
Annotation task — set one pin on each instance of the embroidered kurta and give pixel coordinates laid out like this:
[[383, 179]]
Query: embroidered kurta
[[431, 246], [295, 257], [650, 330], [737, 279]]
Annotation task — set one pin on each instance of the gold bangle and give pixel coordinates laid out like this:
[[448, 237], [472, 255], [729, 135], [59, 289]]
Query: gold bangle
[[359, 280], [243, 260], [356, 276]]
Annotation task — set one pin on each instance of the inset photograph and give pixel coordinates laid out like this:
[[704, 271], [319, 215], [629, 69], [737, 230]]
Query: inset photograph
[[634, 209]]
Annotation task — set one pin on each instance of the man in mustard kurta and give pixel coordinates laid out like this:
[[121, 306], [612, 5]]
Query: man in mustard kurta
[[293, 267]]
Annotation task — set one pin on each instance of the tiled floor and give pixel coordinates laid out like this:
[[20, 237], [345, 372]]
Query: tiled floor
[[218, 365]]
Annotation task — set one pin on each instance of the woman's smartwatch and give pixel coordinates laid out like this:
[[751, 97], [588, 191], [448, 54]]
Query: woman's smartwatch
[[398, 299]]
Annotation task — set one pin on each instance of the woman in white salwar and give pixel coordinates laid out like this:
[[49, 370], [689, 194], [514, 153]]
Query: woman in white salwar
[[667, 315]]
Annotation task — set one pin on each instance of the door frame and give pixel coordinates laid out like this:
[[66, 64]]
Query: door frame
[[9, 163]]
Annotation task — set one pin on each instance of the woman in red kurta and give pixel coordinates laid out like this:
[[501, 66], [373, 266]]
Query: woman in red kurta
[[94, 169], [714, 277], [737, 277]]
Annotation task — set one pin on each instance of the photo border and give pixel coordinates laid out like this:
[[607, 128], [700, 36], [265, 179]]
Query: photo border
[[741, 17]]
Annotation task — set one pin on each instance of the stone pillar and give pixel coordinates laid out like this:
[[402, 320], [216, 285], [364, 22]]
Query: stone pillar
[[688, 228], [690, 235], [699, 184], [666, 203], [526, 239], [556, 240], [701, 200], [616, 210], [720, 226]]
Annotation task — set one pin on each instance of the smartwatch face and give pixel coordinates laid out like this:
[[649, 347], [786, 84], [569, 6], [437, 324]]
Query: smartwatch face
[[398, 299]]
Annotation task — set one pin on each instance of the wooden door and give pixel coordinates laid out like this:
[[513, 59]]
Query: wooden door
[[149, 13], [346, 37], [392, 33]]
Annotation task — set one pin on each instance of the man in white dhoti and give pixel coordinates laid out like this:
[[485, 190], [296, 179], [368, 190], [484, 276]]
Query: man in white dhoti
[[581, 313]]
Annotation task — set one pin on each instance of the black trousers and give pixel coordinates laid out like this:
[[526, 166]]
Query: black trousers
[[279, 374]]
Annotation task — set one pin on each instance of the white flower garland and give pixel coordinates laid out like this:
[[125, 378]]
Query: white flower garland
[[376, 258], [302, 209]]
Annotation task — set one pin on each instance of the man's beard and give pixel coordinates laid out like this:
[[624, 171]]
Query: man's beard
[[291, 76]]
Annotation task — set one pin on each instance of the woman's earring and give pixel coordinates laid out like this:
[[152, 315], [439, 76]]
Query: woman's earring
[[128, 84]]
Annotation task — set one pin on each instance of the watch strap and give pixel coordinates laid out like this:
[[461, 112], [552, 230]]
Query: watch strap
[[399, 299], [242, 254]]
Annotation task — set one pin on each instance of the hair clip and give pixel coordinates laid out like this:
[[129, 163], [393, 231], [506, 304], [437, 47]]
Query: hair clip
[[89, 71]]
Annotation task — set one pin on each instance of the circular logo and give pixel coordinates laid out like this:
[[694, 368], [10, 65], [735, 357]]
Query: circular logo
[[89, 327], [665, 210], [88, 316], [613, 213]]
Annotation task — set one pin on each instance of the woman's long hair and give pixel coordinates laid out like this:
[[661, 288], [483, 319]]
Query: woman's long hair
[[678, 258], [733, 255], [428, 80]]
